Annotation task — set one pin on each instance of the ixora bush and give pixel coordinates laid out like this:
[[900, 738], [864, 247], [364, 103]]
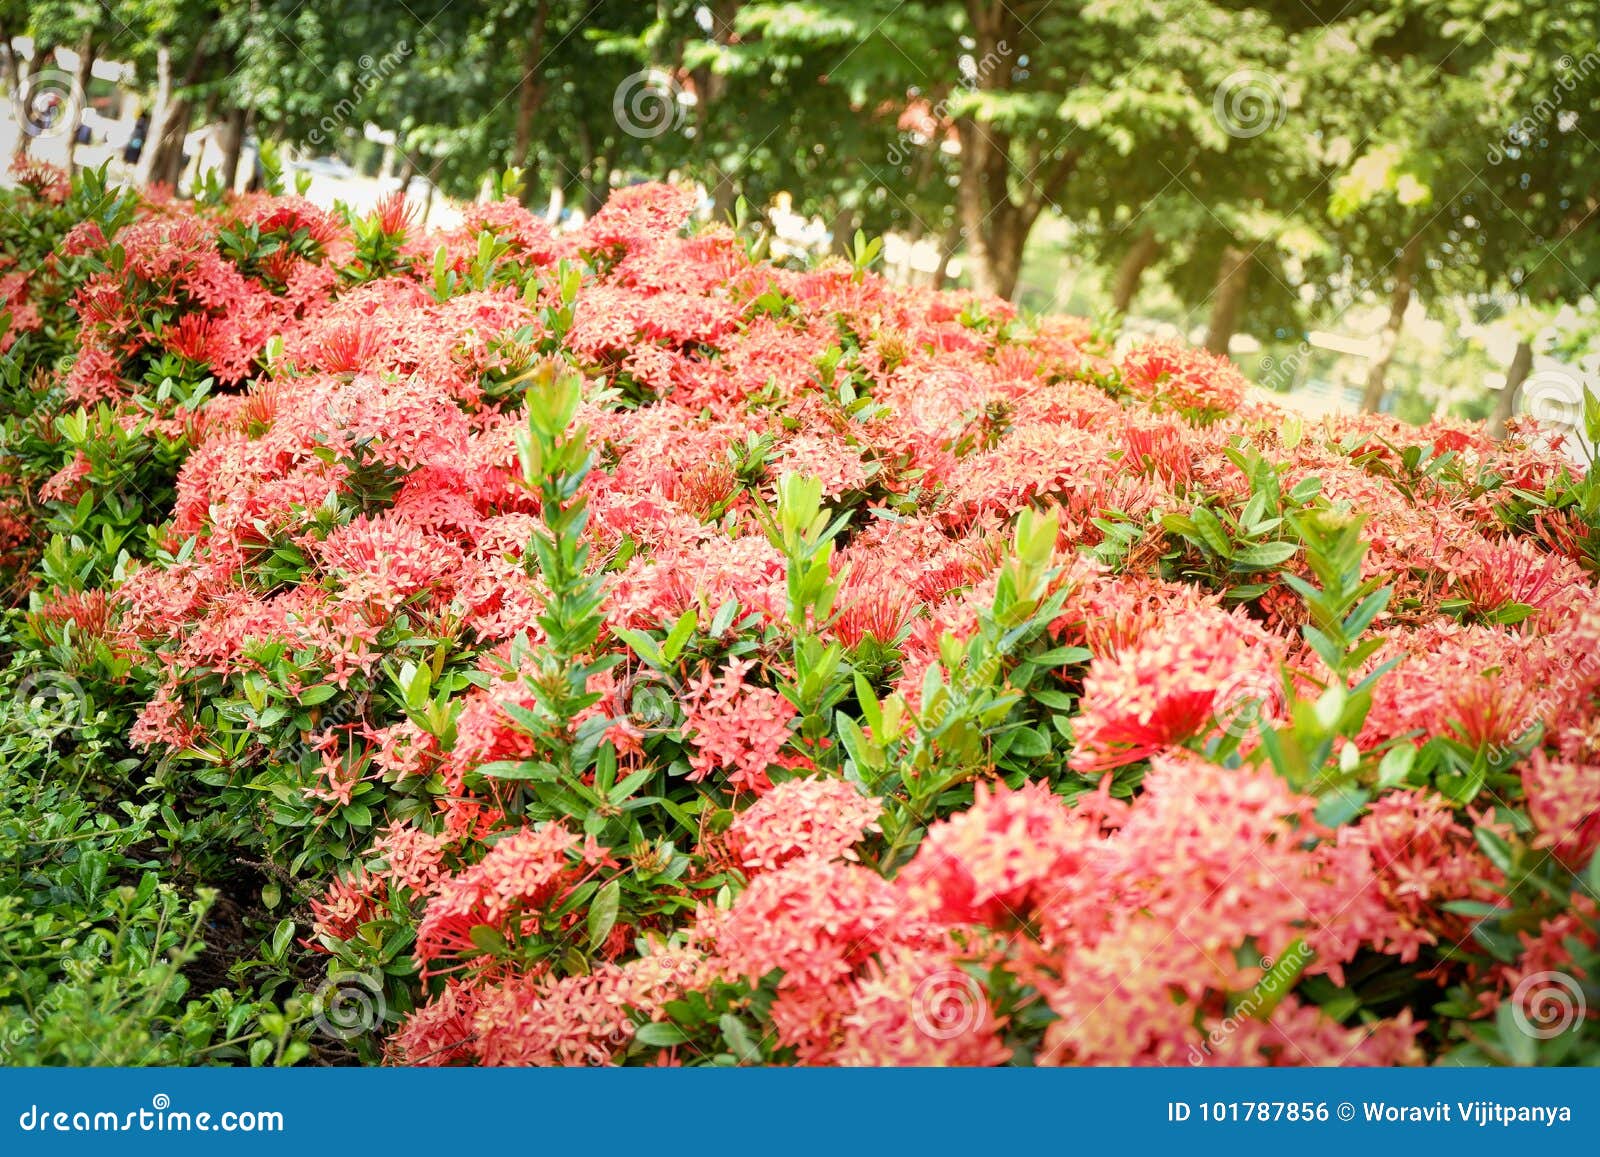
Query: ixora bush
[[508, 647]]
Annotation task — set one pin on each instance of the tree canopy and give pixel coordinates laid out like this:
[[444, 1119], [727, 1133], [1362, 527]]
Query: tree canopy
[[1272, 162]]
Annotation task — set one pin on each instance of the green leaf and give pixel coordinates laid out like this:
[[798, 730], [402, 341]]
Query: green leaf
[[1463, 788], [643, 645], [1063, 657], [659, 1034], [1211, 532], [1474, 908], [603, 913], [1055, 700], [1512, 613], [520, 769], [724, 617], [1329, 651], [421, 682], [676, 810], [1370, 608], [745, 1050], [1305, 490], [1495, 847], [1340, 806], [1276, 982], [862, 753], [1520, 1046], [281, 937], [631, 784], [1264, 555], [320, 693], [1396, 765], [487, 938], [679, 636], [1030, 744]]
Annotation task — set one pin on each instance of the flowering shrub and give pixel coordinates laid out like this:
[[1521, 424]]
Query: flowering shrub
[[610, 647]]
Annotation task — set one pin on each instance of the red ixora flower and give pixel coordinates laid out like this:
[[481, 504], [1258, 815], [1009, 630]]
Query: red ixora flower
[[1198, 672], [1170, 375], [517, 878], [803, 817]]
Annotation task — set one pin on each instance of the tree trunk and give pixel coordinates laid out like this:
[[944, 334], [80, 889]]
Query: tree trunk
[[983, 195], [408, 167], [710, 86], [947, 250], [530, 94], [41, 53], [167, 165], [917, 229], [8, 60], [1389, 337], [233, 134], [724, 195], [709, 83], [169, 160], [598, 188], [1233, 278], [983, 224], [994, 229], [1130, 272], [843, 231], [995, 224], [594, 177], [1505, 404], [586, 150], [159, 112], [82, 76], [433, 176]]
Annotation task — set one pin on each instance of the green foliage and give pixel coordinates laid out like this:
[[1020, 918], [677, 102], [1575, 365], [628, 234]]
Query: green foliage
[[1315, 751], [997, 699], [96, 942], [1234, 550], [1565, 513]]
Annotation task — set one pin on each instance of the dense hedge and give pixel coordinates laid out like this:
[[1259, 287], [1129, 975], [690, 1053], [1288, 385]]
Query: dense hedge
[[506, 646]]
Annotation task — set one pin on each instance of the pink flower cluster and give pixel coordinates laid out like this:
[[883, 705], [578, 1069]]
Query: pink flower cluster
[[352, 509]]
